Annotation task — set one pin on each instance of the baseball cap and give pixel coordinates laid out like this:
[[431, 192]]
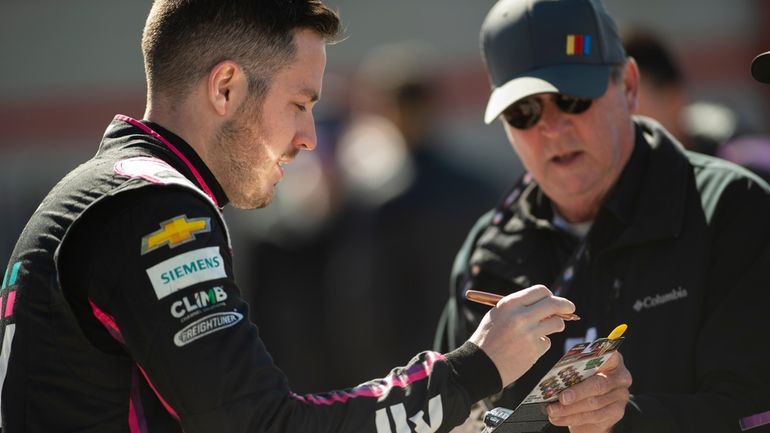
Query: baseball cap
[[537, 46], [760, 68]]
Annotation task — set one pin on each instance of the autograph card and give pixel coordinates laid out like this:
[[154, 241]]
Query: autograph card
[[579, 363]]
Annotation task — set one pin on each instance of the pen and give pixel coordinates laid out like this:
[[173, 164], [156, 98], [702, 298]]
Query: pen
[[492, 299]]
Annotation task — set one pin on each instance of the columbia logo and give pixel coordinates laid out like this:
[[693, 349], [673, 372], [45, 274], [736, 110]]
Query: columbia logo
[[657, 300], [578, 45]]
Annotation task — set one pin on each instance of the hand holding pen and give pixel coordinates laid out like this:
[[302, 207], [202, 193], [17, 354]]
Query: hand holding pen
[[514, 334], [492, 299]]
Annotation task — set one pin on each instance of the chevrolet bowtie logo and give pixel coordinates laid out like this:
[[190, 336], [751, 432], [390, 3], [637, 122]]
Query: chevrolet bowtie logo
[[175, 232]]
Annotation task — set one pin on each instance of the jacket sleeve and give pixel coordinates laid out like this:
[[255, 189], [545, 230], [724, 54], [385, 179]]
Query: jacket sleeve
[[165, 290], [732, 356]]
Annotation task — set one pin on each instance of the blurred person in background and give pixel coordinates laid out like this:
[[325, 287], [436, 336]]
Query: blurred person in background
[[702, 126], [662, 89], [751, 149], [120, 310], [410, 204], [615, 215], [663, 95]]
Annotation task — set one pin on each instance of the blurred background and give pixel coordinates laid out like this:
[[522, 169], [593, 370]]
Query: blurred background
[[347, 271]]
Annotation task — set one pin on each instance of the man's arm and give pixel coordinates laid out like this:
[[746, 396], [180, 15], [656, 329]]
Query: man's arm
[[167, 295]]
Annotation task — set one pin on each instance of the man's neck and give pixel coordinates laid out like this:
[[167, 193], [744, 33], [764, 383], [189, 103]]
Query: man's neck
[[184, 123], [578, 211]]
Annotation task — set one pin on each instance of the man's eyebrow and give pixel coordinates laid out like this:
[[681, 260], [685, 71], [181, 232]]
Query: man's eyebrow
[[310, 94]]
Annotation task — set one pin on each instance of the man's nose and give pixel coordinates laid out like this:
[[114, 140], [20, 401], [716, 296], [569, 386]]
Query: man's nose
[[306, 138], [553, 120]]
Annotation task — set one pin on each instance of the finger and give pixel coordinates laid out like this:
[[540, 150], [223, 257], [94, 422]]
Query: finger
[[528, 296], [611, 363], [548, 307], [545, 345], [615, 370], [590, 404], [549, 326], [595, 385], [604, 417]]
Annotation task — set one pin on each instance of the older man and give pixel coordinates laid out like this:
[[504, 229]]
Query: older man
[[614, 214]]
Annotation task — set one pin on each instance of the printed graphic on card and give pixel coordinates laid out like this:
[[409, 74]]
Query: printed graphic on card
[[579, 363]]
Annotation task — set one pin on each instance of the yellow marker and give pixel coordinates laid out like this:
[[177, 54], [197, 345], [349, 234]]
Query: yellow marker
[[617, 332]]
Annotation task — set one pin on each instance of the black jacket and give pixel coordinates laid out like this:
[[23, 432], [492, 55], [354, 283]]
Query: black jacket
[[120, 313], [680, 252]]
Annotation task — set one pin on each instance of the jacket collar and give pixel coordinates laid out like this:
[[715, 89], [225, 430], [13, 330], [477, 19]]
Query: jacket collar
[[125, 131], [649, 199]]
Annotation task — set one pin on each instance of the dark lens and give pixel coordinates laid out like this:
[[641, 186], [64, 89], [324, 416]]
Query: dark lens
[[571, 104], [524, 113]]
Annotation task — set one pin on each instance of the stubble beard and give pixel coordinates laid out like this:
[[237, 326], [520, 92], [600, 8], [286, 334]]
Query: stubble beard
[[240, 155]]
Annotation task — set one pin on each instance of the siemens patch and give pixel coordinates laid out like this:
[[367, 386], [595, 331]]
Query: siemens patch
[[186, 269], [205, 326]]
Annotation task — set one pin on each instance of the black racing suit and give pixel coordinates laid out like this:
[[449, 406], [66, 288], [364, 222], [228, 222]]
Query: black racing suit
[[120, 313]]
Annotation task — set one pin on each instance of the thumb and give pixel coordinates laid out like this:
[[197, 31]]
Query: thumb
[[613, 361]]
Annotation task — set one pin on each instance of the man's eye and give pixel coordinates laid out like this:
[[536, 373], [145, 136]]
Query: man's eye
[[301, 107]]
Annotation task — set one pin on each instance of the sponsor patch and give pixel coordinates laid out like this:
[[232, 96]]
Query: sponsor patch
[[206, 326], [174, 232], [578, 45], [660, 299], [199, 302], [186, 269]]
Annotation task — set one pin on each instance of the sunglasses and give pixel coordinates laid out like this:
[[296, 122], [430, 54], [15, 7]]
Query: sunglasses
[[526, 112]]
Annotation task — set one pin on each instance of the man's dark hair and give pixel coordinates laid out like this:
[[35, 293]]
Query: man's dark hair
[[655, 62], [184, 39]]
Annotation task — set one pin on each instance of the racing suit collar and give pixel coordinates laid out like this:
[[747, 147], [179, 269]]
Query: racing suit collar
[[126, 131], [193, 157]]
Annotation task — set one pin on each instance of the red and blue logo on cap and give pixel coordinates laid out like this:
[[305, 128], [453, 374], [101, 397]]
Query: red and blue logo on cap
[[578, 45]]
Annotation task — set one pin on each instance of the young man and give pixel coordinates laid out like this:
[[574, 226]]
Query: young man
[[615, 215], [120, 312]]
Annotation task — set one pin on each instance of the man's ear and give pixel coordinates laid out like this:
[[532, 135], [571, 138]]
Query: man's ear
[[226, 87], [631, 84]]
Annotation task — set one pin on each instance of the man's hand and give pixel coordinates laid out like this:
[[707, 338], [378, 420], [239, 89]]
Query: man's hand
[[596, 404], [513, 334]]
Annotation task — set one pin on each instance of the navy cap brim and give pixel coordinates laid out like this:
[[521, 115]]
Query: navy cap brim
[[583, 80], [760, 68]]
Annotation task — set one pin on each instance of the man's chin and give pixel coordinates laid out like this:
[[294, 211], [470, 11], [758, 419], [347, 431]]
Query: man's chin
[[256, 202]]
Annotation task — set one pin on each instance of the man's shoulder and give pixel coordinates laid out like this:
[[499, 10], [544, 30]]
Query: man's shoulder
[[143, 183], [711, 167], [142, 190], [723, 184], [727, 189], [712, 175], [136, 207]]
